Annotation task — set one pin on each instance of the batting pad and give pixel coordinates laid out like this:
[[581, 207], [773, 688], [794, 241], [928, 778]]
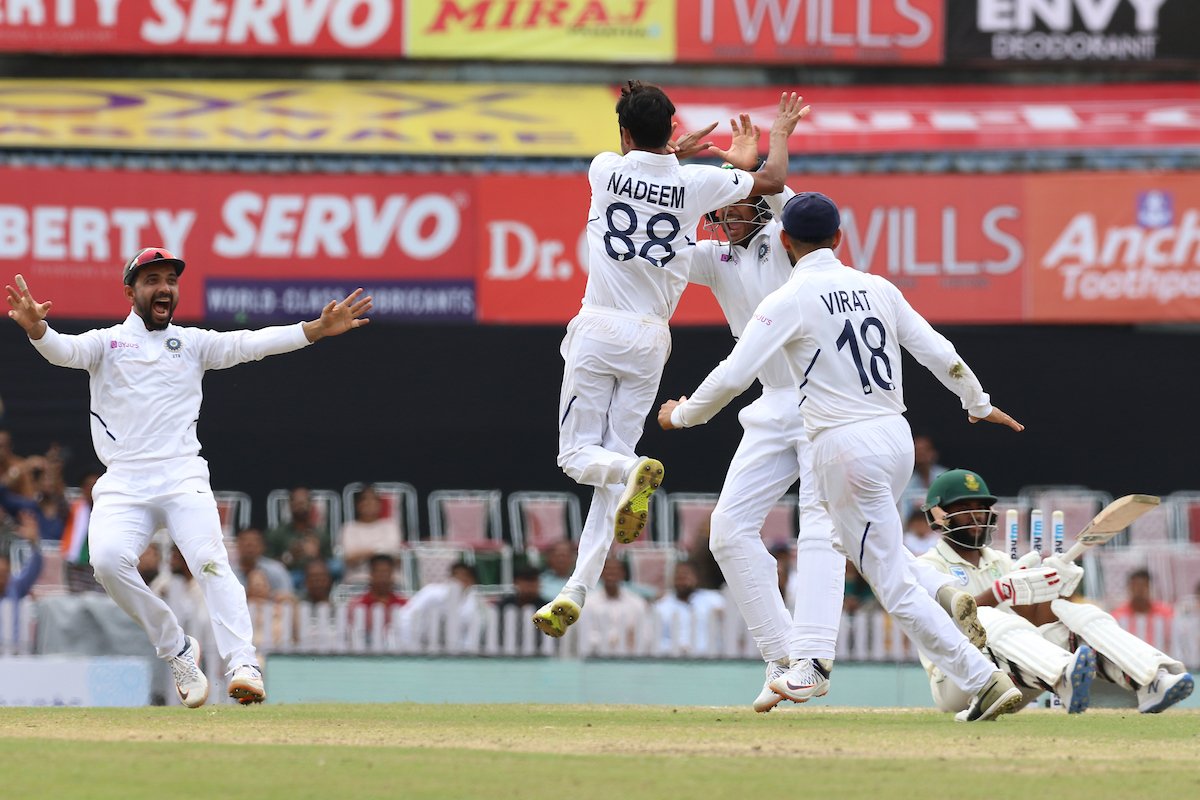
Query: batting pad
[[1137, 659], [1017, 641]]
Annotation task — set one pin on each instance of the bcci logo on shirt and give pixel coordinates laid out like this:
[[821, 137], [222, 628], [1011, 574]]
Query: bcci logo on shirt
[[173, 344], [763, 249]]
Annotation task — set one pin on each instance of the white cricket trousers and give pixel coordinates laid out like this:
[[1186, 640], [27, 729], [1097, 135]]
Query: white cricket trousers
[[129, 506], [773, 453], [613, 364], [861, 470]]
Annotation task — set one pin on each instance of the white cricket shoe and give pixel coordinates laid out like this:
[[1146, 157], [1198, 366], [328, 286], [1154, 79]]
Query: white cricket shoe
[[189, 678], [768, 698], [634, 506], [998, 696], [804, 680], [1164, 691], [961, 607], [1074, 688], [246, 685]]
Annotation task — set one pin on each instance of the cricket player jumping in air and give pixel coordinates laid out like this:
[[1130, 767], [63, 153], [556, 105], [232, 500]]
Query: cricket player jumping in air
[[644, 213], [1031, 635], [145, 401], [775, 451], [841, 331]]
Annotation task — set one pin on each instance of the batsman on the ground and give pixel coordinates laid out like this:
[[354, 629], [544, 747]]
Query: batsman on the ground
[[145, 383], [1042, 639]]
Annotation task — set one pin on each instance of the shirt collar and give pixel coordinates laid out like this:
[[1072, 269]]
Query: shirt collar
[[655, 159], [818, 259], [951, 555]]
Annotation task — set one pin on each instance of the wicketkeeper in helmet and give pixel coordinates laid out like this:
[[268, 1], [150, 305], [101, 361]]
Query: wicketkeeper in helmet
[[1045, 641]]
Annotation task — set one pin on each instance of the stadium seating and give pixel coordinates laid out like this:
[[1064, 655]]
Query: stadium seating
[[399, 502], [466, 516], [326, 503], [538, 519], [234, 510]]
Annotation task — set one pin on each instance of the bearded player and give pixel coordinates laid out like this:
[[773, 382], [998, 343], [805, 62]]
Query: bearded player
[[1044, 643]]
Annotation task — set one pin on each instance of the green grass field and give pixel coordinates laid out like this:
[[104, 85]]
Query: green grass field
[[578, 752]]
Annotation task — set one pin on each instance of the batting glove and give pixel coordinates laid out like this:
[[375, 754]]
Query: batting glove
[[1070, 573], [1031, 559], [1026, 587]]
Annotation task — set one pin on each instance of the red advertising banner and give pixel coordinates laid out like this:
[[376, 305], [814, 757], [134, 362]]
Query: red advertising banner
[[68, 233], [228, 27], [742, 31], [953, 244], [533, 255], [1114, 248], [875, 119]]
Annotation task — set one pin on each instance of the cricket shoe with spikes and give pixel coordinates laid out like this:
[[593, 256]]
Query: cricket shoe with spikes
[[634, 505], [555, 617], [961, 607], [246, 685], [768, 698], [998, 696], [189, 678], [1164, 691], [1075, 686], [805, 679]]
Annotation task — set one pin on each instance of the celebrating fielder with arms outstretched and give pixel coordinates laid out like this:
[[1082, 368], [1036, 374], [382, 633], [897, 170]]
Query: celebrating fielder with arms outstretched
[[145, 402], [641, 226], [1030, 631], [841, 331]]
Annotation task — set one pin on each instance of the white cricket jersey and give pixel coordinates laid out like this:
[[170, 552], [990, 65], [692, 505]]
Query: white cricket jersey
[[740, 277], [971, 579], [642, 224], [145, 385], [842, 331]]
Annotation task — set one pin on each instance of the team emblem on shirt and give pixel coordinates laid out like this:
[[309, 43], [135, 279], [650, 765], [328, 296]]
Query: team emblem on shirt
[[173, 344], [960, 574], [763, 249]]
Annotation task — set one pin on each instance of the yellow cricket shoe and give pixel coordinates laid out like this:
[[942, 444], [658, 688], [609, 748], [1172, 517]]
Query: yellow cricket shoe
[[634, 505], [555, 617]]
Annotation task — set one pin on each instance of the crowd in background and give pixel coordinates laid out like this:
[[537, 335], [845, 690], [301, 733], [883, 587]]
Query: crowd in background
[[305, 560]]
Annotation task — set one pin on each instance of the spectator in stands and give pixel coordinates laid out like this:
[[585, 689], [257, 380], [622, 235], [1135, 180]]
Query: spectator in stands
[[526, 592], [16, 587], [785, 562], [381, 589], [859, 596], [13, 474], [1147, 619], [318, 582], [76, 563], [616, 610], [150, 562], [687, 614], [179, 590], [918, 535], [449, 611], [560, 563], [925, 470], [368, 534], [300, 539], [251, 547], [264, 603]]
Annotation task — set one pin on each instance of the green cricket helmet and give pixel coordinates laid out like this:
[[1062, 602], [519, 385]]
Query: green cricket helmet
[[969, 527]]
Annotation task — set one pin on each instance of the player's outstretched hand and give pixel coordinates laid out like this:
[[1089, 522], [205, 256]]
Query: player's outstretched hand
[[791, 111], [25, 311], [689, 144], [743, 153], [1000, 418], [664, 413], [340, 316]]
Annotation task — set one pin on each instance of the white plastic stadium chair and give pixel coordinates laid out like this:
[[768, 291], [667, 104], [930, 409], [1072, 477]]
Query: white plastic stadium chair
[[539, 519], [399, 501], [466, 516], [326, 503], [689, 518], [234, 510]]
